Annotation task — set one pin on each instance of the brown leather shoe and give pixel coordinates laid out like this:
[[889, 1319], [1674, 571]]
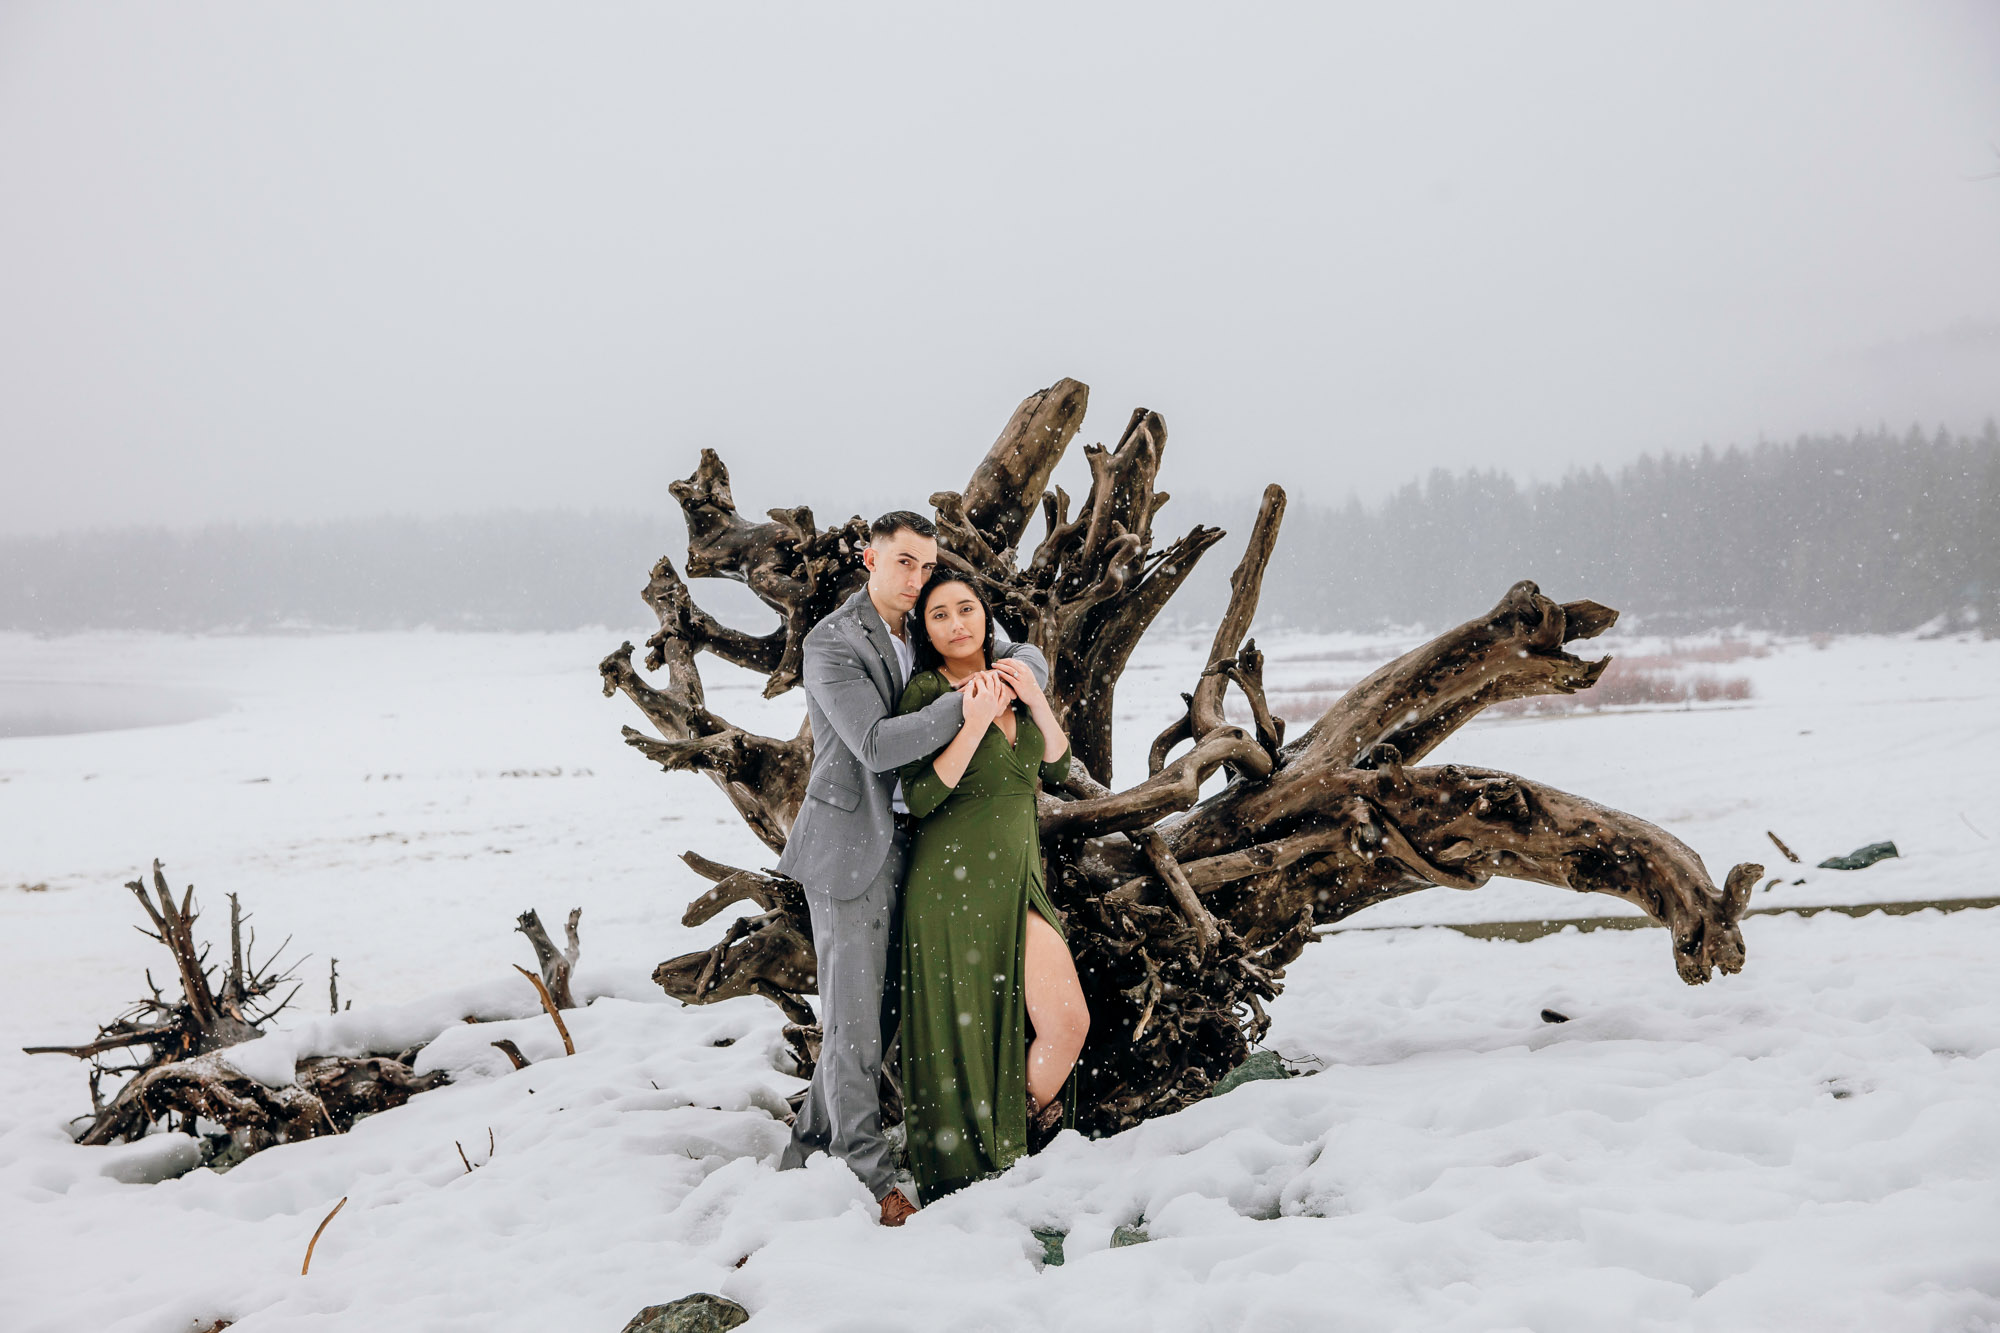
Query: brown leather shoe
[[896, 1208]]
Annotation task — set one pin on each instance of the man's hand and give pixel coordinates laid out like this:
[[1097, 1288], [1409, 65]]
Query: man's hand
[[1019, 679]]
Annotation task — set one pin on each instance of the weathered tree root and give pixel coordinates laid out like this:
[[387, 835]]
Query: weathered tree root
[[770, 954], [184, 1071], [1182, 912]]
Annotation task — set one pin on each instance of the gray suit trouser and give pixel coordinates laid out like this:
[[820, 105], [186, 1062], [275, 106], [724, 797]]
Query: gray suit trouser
[[859, 1012]]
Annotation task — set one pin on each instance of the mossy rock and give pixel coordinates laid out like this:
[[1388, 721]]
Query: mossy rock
[[1861, 857], [699, 1313], [1052, 1245], [1260, 1064]]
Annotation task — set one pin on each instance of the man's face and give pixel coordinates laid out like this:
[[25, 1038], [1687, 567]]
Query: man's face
[[898, 566]]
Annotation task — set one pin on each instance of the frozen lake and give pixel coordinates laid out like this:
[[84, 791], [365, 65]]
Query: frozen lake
[[1810, 1144], [66, 707]]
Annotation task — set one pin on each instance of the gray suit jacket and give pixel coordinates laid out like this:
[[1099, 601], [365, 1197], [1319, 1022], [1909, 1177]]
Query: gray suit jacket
[[845, 832]]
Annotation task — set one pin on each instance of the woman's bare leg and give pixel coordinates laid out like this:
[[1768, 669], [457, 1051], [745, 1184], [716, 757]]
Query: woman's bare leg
[[1055, 1007]]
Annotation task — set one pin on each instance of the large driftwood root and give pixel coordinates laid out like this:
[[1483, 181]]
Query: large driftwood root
[[178, 1073], [1182, 912]]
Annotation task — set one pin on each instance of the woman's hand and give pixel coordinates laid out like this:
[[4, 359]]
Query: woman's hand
[[984, 697], [983, 703], [1015, 672]]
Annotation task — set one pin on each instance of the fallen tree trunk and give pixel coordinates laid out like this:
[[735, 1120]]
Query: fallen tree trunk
[[1182, 913]]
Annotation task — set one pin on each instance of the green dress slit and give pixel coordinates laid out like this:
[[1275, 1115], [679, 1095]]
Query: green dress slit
[[975, 869]]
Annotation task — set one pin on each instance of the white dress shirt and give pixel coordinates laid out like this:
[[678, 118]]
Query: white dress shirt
[[906, 659]]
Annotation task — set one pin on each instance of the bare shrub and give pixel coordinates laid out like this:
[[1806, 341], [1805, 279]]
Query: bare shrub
[[1725, 650], [1709, 689], [1655, 681], [1646, 680], [1299, 708]]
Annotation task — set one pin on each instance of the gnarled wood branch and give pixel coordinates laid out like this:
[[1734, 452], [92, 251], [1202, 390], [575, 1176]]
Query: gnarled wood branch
[[795, 569], [1246, 585], [1175, 787], [764, 779], [1415, 702], [1007, 485]]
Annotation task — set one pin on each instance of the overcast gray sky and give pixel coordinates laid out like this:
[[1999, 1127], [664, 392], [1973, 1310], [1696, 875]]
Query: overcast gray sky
[[274, 260]]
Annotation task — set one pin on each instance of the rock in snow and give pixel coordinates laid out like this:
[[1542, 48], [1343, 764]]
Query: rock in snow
[[1861, 857], [699, 1313], [1258, 1065]]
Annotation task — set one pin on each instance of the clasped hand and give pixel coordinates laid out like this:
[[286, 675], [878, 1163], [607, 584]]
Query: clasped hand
[[987, 695], [991, 692]]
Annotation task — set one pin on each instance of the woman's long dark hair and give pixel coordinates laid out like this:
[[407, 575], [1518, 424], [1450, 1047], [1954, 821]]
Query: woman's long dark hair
[[928, 657]]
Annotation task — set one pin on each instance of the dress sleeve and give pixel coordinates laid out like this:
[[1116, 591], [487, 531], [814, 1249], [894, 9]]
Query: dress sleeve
[[923, 790], [1055, 773]]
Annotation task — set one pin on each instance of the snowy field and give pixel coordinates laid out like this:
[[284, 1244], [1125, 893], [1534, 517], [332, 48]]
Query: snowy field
[[1814, 1144]]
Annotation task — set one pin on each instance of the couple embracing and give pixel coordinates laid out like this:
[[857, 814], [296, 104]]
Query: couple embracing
[[917, 850]]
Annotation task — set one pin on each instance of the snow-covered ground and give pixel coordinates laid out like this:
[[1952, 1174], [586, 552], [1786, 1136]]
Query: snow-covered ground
[[1812, 1144]]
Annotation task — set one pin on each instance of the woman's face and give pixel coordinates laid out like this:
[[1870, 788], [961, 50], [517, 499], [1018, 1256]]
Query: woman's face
[[955, 621]]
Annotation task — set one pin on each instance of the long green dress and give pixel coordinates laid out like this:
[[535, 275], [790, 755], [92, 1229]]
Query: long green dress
[[975, 869]]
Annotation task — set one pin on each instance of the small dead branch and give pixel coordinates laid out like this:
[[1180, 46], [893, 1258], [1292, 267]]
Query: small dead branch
[[548, 1003], [1779, 843], [314, 1242], [511, 1051], [462, 1157]]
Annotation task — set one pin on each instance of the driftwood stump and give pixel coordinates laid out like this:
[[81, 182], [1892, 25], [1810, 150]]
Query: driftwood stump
[[556, 965], [1183, 913], [176, 1074]]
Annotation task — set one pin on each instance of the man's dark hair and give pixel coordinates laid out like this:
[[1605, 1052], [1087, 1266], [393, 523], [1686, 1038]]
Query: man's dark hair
[[928, 657], [896, 520]]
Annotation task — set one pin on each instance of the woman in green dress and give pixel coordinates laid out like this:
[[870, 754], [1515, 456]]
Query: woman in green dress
[[983, 950]]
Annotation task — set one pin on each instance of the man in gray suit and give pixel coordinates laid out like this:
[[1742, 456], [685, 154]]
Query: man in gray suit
[[847, 846]]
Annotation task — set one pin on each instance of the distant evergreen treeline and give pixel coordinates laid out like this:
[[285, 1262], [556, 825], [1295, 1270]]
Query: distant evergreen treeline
[[1872, 532]]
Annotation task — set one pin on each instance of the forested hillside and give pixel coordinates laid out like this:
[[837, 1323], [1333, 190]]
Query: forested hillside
[[1872, 532], [509, 571]]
